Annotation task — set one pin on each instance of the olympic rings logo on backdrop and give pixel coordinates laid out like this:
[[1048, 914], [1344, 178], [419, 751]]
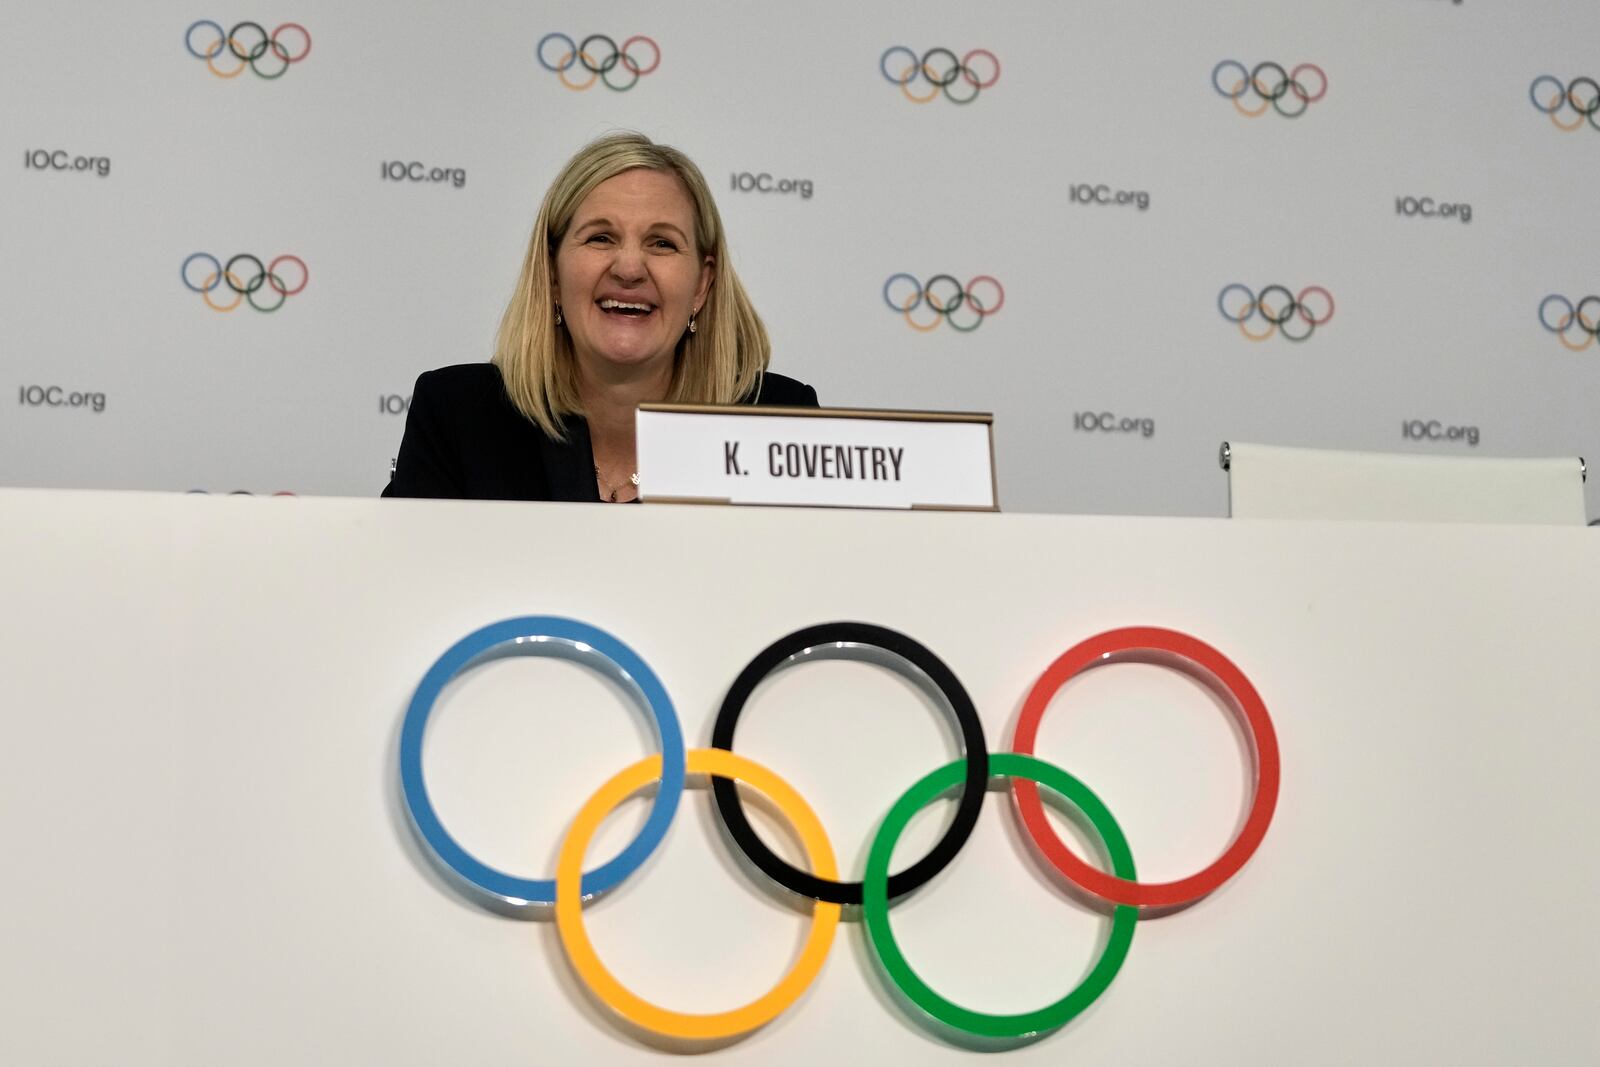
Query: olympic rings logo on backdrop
[[245, 283], [961, 80], [1565, 319], [1270, 84], [961, 306], [247, 45], [1281, 311], [1581, 95], [1118, 893], [599, 56]]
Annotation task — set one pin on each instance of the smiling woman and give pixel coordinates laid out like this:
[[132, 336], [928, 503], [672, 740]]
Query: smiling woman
[[626, 296]]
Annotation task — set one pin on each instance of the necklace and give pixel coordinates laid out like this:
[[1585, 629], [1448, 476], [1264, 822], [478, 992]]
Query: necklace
[[633, 480]]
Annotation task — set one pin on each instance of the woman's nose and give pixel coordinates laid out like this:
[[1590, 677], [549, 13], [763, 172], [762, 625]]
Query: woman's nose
[[628, 264]]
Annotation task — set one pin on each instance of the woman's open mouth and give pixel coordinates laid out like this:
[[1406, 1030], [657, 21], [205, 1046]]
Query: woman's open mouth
[[625, 308]]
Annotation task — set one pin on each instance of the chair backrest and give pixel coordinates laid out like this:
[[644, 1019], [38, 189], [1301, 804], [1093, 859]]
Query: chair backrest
[[1273, 482]]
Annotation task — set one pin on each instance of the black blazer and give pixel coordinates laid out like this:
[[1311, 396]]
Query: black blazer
[[465, 439]]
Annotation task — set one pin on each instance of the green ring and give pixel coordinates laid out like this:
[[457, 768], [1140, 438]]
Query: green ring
[[953, 98], [250, 294], [1311, 328], [605, 75], [1305, 102], [875, 901], [950, 316], [270, 77]]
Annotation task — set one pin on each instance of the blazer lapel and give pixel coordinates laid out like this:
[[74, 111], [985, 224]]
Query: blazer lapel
[[569, 464]]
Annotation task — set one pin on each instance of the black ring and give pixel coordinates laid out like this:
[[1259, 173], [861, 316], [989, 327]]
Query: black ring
[[256, 50], [1594, 105], [1288, 309], [605, 64], [1283, 86], [1578, 315], [977, 756], [255, 283], [955, 301], [950, 76]]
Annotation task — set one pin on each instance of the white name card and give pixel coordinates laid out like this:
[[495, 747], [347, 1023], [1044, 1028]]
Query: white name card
[[826, 457]]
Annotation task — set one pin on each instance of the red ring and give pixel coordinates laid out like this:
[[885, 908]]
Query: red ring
[[272, 270], [1300, 302], [967, 68], [284, 53], [1166, 648], [633, 64], [997, 288], [1294, 82]]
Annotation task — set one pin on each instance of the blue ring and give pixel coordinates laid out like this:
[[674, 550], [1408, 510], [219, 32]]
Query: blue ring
[[1244, 76], [1561, 99], [183, 272], [894, 307], [572, 52], [540, 635], [1224, 312], [915, 65], [1572, 313], [222, 38]]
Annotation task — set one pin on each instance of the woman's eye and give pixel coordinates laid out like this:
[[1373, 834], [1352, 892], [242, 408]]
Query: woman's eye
[[662, 242]]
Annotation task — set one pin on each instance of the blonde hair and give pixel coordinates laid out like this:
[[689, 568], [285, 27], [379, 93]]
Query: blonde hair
[[720, 363]]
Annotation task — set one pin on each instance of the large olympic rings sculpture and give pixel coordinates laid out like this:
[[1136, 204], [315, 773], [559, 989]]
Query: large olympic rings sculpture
[[1278, 308], [243, 286], [1118, 892], [945, 304], [1559, 315], [1582, 95], [248, 43], [599, 55], [961, 80], [1272, 85]]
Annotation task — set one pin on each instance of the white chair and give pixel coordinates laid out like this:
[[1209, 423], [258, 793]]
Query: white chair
[[1273, 482]]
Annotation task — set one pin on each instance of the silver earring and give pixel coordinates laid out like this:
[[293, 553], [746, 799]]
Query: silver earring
[[558, 314], [691, 324]]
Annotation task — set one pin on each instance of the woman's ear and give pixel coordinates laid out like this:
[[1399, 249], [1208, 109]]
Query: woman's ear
[[708, 274]]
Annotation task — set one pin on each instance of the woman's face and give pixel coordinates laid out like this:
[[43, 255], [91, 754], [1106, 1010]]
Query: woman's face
[[628, 275]]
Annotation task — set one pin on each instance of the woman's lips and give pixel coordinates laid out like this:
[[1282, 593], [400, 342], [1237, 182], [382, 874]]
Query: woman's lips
[[628, 309]]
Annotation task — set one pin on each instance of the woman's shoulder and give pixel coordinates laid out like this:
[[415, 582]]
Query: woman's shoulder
[[472, 390], [464, 381], [777, 390]]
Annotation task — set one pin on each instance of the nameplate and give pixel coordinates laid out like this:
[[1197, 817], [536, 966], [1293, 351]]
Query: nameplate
[[818, 457]]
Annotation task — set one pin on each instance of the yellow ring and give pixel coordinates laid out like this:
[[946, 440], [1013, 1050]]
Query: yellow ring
[[1576, 123], [211, 283], [1272, 328], [605, 987], [561, 71], [1258, 112], [905, 87], [911, 302], [211, 55], [1561, 335]]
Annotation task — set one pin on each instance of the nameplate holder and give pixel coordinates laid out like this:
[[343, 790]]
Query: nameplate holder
[[816, 457]]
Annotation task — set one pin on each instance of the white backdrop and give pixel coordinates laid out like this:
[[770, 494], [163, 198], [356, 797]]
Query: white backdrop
[[1108, 307], [206, 862]]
